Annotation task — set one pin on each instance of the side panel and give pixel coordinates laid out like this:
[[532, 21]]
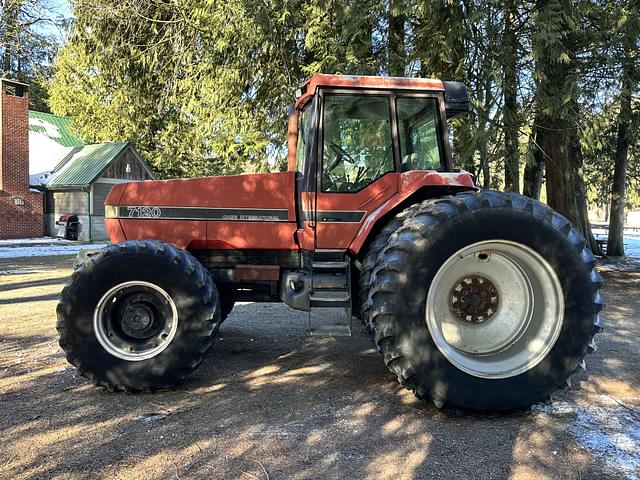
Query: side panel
[[340, 215], [254, 235], [182, 233], [114, 230], [235, 212], [113, 225], [345, 220], [408, 184]]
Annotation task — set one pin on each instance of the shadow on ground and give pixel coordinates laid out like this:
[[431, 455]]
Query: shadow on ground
[[270, 402]]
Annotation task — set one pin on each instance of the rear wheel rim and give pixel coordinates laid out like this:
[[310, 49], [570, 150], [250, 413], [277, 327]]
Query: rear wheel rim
[[495, 309], [135, 320]]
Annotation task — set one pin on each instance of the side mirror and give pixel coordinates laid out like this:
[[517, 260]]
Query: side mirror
[[456, 99]]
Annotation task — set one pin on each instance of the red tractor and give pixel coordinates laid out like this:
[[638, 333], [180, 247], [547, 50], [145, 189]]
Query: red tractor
[[477, 299]]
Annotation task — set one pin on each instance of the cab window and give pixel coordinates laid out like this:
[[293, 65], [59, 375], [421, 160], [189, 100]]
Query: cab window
[[418, 133], [357, 146], [304, 128]]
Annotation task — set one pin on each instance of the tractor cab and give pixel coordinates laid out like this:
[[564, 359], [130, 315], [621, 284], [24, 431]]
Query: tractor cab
[[354, 141], [367, 126], [360, 148]]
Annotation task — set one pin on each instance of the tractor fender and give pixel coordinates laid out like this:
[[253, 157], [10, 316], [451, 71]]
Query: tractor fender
[[413, 187]]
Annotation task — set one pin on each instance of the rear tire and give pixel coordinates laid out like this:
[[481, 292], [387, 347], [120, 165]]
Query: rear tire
[[454, 370], [139, 315], [370, 260]]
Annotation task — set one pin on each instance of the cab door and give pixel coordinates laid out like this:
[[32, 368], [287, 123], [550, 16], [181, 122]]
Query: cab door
[[306, 174], [356, 163]]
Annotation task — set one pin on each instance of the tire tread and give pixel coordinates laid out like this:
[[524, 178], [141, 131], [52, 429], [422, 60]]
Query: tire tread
[[397, 241], [166, 253]]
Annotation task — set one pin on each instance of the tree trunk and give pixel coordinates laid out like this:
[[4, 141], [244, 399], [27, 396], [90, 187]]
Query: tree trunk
[[557, 107], [484, 165], [510, 87], [566, 192], [580, 201], [556, 149], [6, 61], [615, 242], [483, 128], [534, 168], [10, 24]]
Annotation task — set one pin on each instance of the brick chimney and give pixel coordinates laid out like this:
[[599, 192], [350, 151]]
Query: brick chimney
[[14, 134], [20, 209]]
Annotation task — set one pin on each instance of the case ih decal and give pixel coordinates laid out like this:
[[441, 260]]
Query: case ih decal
[[199, 213]]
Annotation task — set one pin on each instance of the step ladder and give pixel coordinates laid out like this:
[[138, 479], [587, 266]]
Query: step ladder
[[330, 299]]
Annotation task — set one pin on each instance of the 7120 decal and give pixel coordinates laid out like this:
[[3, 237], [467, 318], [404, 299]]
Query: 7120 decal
[[144, 212]]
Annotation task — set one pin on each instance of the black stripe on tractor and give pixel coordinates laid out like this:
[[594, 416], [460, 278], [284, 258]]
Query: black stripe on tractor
[[336, 216], [203, 213]]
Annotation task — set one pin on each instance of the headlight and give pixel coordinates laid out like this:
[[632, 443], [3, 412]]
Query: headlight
[[110, 211]]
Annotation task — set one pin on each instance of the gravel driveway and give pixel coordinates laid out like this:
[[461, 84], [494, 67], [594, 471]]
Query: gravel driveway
[[270, 403]]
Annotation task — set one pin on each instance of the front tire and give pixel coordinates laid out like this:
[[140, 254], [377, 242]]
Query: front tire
[[502, 306], [138, 316]]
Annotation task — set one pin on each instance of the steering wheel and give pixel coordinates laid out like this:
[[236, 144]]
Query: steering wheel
[[340, 154], [361, 171]]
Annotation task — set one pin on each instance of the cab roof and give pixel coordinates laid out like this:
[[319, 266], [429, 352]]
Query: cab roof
[[308, 89]]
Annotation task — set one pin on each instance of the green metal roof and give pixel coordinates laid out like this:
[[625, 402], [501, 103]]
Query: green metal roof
[[84, 164], [56, 128]]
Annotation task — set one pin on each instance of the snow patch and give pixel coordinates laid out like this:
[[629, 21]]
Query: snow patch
[[47, 250], [16, 242], [556, 408], [44, 152], [610, 432], [631, 241], [150, 418]]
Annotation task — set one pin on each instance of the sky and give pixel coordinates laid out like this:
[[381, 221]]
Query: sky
[[63, 7], [57, 10]]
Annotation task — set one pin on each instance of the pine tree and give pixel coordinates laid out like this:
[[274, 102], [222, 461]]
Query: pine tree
[[628, 27], [510, 88], [27, 48], [557, 72]]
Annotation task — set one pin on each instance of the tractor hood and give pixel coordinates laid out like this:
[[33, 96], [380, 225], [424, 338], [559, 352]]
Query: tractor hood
[[206, 197], [159, 208]]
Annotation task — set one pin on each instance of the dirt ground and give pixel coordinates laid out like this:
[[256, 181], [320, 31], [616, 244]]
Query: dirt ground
[[270, 402]]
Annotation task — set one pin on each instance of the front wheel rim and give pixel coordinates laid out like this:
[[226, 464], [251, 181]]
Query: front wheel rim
[[500, 334], [135, 320]]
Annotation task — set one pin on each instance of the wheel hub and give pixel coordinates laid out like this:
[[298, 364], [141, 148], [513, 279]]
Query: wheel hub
[[474, 299], [495, 308], [136, 320]]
